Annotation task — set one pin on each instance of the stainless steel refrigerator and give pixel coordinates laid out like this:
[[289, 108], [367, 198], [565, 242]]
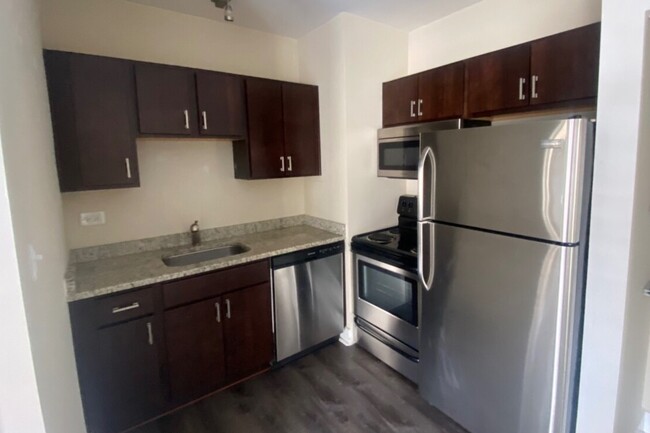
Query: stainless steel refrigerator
[[501, 238]]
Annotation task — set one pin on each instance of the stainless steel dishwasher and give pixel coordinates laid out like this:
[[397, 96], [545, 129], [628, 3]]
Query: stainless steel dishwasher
[[308, 299]]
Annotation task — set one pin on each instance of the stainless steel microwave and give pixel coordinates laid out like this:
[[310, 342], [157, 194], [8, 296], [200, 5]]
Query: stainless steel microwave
[[399, 146]]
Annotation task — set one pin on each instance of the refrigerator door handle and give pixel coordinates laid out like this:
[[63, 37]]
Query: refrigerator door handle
[[426, 259], [426, 184]]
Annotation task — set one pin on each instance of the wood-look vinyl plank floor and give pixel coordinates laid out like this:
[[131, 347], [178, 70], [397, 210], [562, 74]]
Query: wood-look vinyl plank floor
[[334, 390]]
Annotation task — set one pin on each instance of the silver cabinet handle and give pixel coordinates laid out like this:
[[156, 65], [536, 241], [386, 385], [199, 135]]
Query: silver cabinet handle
[[218, 308], [290, 168], [522, 96], [412, 108], [227, 308], [187, 119], [128, 167], [420, 102], [205, 120], [150, 331], [282, 163], [126, 308], [533, 91]]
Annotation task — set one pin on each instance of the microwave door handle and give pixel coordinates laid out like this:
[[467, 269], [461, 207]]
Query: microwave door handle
[[426, 177], [426, 253]]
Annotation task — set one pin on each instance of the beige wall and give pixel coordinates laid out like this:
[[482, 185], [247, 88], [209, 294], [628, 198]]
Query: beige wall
[[348, 58], [322, 63], [128, 30], [37, 223], [181, 180], [494, 24]]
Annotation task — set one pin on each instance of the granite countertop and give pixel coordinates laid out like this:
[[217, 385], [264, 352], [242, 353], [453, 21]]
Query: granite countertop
[[114, 274]]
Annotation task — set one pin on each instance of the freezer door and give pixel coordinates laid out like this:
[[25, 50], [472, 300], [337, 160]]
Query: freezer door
[[495, 331], [524, 178]]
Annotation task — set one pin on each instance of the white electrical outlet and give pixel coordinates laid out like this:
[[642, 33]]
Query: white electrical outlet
[[92, 218]]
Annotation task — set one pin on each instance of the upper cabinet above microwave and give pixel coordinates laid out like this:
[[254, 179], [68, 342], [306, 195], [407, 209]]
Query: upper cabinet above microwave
[[556, 71], [100, 105], [436, 94]]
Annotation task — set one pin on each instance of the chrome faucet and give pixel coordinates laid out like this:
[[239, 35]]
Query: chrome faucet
[[196, 234]]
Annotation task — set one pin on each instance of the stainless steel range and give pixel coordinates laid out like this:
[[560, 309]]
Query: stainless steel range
[[387, 303]]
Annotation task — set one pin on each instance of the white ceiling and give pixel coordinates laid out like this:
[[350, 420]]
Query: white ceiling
[[295, 18]]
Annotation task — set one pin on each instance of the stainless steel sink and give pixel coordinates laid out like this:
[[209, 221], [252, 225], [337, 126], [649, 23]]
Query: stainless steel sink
[[184, 259]]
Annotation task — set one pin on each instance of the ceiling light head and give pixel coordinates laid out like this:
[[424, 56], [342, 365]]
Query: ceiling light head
[[227, 12]]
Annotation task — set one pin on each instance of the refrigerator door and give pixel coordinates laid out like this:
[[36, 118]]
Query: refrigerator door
[[426, 239], [524, 178], [495, 331]]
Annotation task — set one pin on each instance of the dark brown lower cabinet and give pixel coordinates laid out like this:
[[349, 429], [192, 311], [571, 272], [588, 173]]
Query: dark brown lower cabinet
[[248, 331], [195, 350], [150, 350], [118, 347], [128, 388], [218, 341]]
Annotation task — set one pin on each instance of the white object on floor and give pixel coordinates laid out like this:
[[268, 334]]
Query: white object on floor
[[349, 336], [644, 426]]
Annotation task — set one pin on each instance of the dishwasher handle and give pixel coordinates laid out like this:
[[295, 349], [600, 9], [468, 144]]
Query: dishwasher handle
[[307, 255]]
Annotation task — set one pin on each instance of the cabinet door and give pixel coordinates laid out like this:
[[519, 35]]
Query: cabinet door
[[195, 351], [265, 129], [248, 331], [125, 386], [93, 109], [498, 81], [222, 106], [565, 66], [301, 129], [166, 100], [441, 93], [399, 101]]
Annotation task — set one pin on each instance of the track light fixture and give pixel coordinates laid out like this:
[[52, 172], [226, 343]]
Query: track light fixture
[[227, 12], [227, 9]]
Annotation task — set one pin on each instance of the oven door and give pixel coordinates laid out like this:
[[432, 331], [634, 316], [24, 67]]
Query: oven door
[[398, 157], [387, 297]]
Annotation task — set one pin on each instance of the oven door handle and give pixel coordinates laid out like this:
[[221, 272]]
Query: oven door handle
[[385, 341]]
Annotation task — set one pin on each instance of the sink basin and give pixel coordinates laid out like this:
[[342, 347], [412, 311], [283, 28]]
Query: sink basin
[[190, 258]]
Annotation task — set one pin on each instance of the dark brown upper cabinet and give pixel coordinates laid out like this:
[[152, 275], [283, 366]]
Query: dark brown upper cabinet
[[558, 70], [399, 101], [498, 80], [166, 100], [441, 93], [301, 129], [94, 120], [184, 102], [436, 94], [565, 66], [222, 104], [283, 131], [101, 105]]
